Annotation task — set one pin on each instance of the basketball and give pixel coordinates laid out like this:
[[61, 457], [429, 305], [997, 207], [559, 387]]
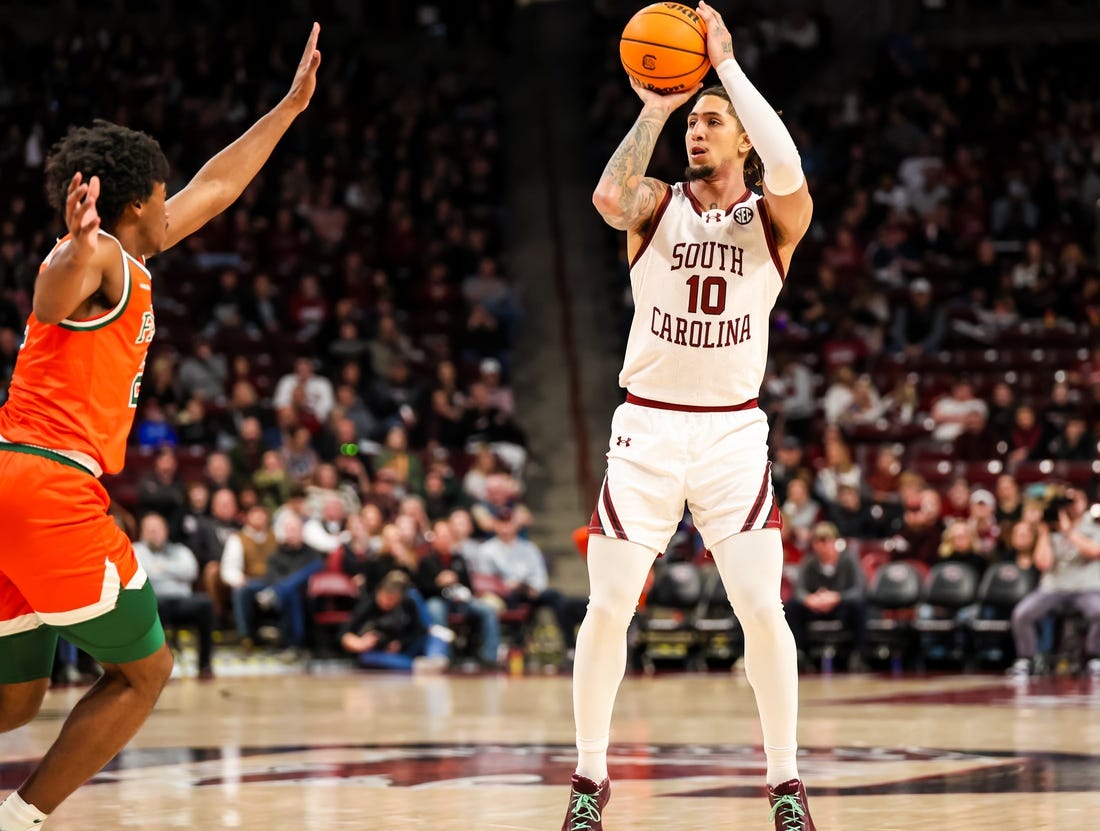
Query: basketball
[[664, 47]]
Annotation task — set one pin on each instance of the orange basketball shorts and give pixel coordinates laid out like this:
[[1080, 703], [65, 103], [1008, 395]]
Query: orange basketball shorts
[[63, 560]]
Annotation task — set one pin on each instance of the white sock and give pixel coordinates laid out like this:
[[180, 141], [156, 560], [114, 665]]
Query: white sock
[[617, 571], [17, 815], [751, 565], [592, 758], [781, 764]]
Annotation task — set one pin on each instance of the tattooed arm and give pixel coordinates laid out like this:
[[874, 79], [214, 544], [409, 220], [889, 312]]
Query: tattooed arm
[[625, 197]]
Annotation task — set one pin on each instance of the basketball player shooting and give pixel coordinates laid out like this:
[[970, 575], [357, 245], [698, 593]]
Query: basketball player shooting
[[708, 258], [65, 567]]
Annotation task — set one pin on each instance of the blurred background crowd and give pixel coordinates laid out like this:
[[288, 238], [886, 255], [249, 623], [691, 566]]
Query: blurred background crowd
[[327, 440]]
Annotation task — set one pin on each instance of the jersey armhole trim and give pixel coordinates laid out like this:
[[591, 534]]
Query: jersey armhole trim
[[769, 238], [115, 313], [653, 223]]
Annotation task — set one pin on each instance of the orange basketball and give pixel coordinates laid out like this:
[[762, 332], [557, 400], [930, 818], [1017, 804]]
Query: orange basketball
[[664, 46]]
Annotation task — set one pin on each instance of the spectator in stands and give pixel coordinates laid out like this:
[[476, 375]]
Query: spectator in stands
[[521, 568], [883, 480], [1020, 548], [161, 384], [960, 544], [271, 482], [160, 490], [1073, 444], [389, 346], [983, 520], [288, 571], [308, 312], [219, 472], [155, 429], [1067, 552], [172, 570], [850, 516], [976, 442], [387, 630], [829, 587], [327, 484], [802, 511], [357, 553], [500, 395], [244, 569], [203, 372], [444, 581], [866, 407], [247, 453], [1009, 503], [326, 532], [956, 505], [299, 457], [484, 423], [395, 457], [442, 493], [1002, 411], [950, 412], [788, 464], [501, 499], [1025, 440], [839, 470], [465, 544], [922, 529], [484, 465], [839, 395], [919, 326], [315, 393]]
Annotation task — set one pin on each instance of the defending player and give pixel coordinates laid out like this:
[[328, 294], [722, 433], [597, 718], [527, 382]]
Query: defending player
[[708, 258], [64, 565]]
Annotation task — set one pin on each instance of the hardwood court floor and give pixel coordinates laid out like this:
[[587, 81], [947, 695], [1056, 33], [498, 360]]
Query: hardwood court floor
[[442, 753]]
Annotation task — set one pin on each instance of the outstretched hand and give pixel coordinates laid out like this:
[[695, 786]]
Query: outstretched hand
[[669, 103], [81, 216], [719, 40], [305, 78]]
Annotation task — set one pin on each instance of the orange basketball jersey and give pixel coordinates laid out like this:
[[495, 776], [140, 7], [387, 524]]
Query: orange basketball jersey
[[76, 384]]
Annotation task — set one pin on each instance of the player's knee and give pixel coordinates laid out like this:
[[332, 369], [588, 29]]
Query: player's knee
[[148, 676], [760, 617], [610, 612]]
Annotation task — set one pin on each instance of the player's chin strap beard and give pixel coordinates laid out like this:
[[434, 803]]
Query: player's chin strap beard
[[696, 174]]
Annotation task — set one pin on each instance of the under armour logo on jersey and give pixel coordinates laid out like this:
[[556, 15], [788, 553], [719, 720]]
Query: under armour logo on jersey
[[620, 441], [713, 216], [743, 215]]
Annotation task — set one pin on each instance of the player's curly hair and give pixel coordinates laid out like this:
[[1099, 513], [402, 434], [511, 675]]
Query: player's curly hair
[[128, 163], [754, 168]]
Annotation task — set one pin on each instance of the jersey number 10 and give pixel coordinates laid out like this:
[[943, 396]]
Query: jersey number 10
[[710, 296]]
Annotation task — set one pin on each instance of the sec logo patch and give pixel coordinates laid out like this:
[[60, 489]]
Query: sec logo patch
[[743, 215]]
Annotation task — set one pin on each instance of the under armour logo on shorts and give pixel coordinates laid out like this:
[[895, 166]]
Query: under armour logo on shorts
[[621, 442]]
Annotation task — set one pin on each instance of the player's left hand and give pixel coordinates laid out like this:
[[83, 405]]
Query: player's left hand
[[719, 41], [305, 78]]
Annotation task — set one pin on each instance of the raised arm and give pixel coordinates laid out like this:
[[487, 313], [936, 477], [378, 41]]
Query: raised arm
[[785, 189], [625, 197], [82, 266], [222, 179]]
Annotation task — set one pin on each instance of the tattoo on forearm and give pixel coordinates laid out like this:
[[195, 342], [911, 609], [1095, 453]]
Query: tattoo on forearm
[[627, 166]]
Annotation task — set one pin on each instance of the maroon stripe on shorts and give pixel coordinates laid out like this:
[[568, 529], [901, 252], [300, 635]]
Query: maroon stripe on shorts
[[775, 516], [614, 517], [755, 512], [631, 398], [595, 524]]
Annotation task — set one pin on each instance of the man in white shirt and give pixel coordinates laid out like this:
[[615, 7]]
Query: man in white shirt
[[172, 570], [950, 412], [319, 398]]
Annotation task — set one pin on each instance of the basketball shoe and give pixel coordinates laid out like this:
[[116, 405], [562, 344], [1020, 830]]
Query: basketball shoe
[[586, 804], [790, 809]]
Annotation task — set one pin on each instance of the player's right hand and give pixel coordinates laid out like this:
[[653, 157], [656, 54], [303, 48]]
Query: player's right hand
[[670, 102], [81, 216]]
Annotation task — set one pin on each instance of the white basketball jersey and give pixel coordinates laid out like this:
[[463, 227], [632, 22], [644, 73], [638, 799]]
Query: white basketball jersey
[[704, 284]]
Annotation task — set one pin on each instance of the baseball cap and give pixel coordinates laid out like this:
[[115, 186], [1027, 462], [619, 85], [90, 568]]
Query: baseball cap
[[982, 497], [825, 531], [920, 286], [490, 366]]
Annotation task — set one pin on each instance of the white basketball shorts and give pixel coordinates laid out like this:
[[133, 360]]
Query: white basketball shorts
[[662, 456]]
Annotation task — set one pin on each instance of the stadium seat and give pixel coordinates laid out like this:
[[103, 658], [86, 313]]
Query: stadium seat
[[948, 588], [666, 632], [717, 628], [1001, 588], [892, 600]]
